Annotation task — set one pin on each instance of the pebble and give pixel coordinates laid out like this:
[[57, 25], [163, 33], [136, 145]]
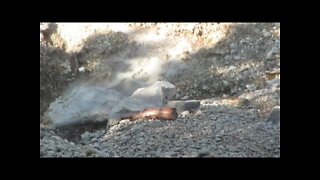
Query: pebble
[[251, 87], [185, 97], [265, 33], [85, 137], [233, 45], [228, 58], [204, 87], [275, 115], [185, 113], [237, 57]]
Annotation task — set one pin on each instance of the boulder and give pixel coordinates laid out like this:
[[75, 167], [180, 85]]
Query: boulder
[[82, 104]]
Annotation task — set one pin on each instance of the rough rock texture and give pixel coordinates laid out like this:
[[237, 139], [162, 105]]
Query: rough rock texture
[[81, 104], [233, 69], [155, 95], [184, 105]]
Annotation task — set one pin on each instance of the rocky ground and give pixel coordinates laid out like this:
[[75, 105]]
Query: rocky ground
[[233, 68]]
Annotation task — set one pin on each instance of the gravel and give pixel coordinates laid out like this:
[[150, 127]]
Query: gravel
[[239, 111], [219, 130]]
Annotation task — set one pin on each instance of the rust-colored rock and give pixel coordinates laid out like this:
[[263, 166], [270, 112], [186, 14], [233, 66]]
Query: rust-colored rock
[[165, 113]]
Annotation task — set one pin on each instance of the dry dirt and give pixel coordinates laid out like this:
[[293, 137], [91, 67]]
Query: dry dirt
[[234, 68]]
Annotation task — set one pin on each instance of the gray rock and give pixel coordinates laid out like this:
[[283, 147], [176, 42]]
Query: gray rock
[[275, 115], [237, 57], [205, 153], [225, 95], [104, 146], [185, 97], [82, 104], [100, 154], [273, 50], [185, 113], [194, 154], [225, 83], [169, 154], [155, 95], [251, 87], [233, 45], [265, 33], [140, 153], [220, 51], [184, 136], [244, 102], [274, 83], [213, 59], [204, 87], [100, 133], [233, 51], [172, 136], [42, 133], [93, 140], [184, 105], [218, 139], [228, 58], [114, 120], [195, 85], [137, 129], [86, 137]]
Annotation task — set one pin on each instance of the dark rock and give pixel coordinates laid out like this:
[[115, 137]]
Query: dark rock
[[275, 115], [184, 105]]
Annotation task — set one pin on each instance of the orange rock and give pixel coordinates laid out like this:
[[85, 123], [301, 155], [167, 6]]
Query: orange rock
[[166, 113]]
